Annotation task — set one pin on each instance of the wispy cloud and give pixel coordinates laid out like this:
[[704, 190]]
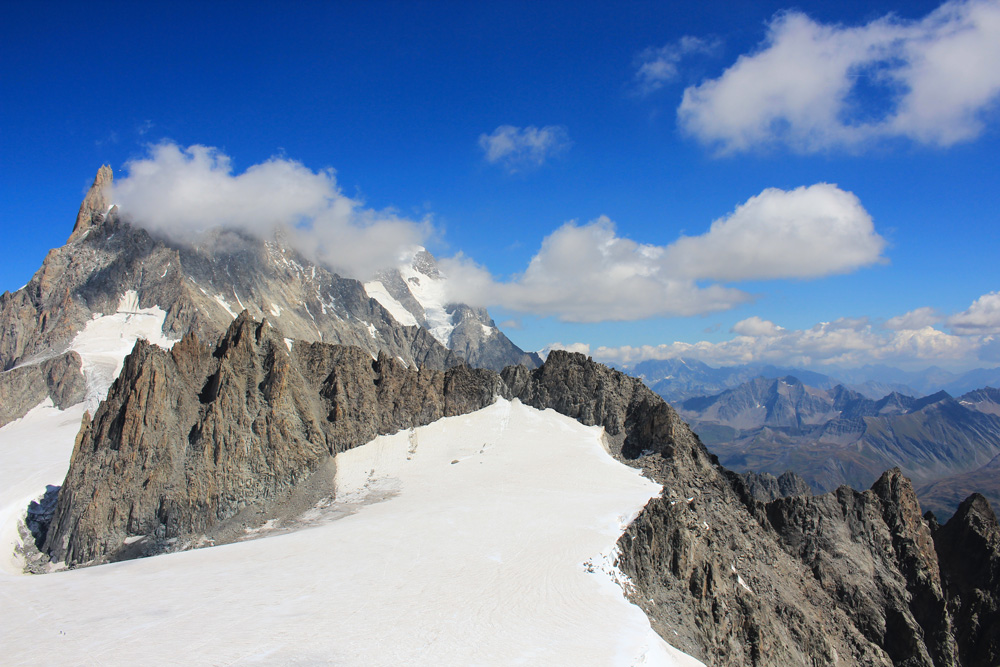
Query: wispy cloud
[[656, 67], [843, 342], [588, 273], [182, 193], [814, 86], [520, 148]]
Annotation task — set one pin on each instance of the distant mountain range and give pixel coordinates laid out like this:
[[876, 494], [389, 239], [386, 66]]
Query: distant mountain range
[[838, 436], [679, 379]]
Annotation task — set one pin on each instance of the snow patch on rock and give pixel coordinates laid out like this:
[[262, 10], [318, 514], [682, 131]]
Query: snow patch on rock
[[376, 290], [106, 340]]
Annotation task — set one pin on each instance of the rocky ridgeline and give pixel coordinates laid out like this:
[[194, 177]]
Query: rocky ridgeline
[[190, 438], [204, 435]]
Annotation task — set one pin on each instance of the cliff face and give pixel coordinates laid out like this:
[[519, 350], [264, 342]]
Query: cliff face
[[202, 436], [190, 438], [969, 550]]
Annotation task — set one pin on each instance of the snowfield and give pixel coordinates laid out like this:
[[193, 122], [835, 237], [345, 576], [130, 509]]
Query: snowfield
[[485, 539]]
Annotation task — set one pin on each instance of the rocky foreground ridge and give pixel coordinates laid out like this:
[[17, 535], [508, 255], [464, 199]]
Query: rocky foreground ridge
[[205, 436]]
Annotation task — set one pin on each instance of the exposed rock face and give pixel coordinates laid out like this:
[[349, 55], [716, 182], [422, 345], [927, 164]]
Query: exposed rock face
[[187, 439], [203, 435], [95, 204], [765, 487], [969, 550], [872, 552], [24, 387]]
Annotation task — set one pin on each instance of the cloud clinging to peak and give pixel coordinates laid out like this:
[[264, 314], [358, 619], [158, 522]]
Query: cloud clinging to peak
[[813, 86], [520, 148], [182, 193]]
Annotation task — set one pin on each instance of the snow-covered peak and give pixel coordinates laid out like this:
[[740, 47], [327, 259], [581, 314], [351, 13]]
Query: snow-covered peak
[[416, 295]]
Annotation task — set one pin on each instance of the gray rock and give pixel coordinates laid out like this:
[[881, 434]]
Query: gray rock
[[765, 487], [26, 386], [189, 439]]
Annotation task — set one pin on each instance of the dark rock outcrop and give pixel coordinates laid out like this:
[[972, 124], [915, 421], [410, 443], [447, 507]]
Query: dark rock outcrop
[[968, 547], [24, 387], [95, 204], [765, 487], [193, 437]]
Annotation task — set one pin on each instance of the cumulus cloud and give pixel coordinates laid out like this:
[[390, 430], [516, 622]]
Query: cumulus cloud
[[656, 67], [802, 233], [519, 148], [915, 319], [982, 317], [813, 86], [588, 273], [843, 342], [755, 327], [184, 192]]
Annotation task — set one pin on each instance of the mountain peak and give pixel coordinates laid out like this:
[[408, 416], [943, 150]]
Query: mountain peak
[[95, 204]]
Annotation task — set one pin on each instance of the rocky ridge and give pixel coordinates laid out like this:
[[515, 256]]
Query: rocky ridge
[[207, 434]]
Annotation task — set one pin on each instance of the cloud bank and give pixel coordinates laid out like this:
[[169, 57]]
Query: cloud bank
[[588, 273], [814, 86], [520, 148], [844, 342], [183, 193]]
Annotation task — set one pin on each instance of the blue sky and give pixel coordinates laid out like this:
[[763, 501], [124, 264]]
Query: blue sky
[[553, 155]]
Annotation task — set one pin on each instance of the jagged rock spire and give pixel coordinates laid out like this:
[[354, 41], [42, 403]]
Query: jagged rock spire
[[94, 205]]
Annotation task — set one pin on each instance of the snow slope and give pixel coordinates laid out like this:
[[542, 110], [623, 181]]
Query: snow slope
[[107, 339], [466, 545]]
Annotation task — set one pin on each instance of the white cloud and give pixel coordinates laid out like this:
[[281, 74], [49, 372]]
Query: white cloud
[[588, 273], [755, 327], [183, 192], [843, 342], [519, 148], [982, 317], [582, 348], [915, 319], [802, 233], [657, 67], [813, 86]]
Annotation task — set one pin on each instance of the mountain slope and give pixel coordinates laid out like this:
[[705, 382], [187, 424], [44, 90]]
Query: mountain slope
[[837, 436]]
